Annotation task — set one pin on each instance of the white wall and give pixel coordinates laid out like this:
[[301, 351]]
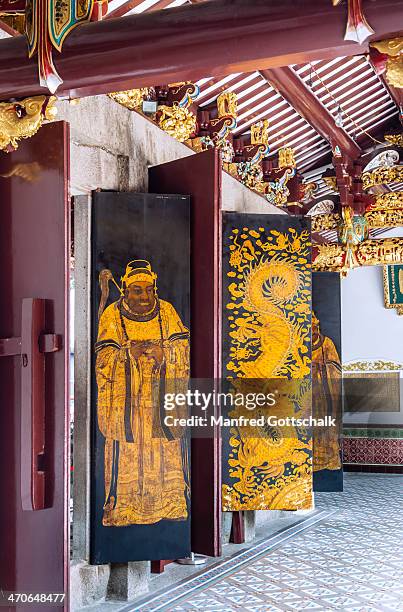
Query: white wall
[[369, 330]]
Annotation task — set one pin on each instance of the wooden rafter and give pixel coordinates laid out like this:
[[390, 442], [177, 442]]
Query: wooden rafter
[[8, 29], [121, 11], [293, 89], [124, 9]]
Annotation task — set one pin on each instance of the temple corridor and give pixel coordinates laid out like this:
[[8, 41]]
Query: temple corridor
[[347, 557]]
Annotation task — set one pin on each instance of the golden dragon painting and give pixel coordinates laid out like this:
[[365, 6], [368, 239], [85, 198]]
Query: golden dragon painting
[[267, 314]]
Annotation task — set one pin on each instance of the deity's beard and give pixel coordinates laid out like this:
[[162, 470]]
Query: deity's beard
[[139, 309]]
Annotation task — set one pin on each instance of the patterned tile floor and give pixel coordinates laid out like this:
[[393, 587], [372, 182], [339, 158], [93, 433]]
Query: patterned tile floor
[[349, 557]]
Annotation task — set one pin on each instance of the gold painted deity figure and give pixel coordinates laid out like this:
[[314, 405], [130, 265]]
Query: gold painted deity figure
[[327, 388], [142, 349]]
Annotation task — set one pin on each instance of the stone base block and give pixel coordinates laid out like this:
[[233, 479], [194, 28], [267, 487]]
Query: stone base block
[[88, 584]]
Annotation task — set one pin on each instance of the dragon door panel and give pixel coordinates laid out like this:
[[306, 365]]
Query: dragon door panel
[[267, 290]]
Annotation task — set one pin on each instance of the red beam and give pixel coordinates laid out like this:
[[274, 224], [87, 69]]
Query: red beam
[[190, 42], [293, 89]]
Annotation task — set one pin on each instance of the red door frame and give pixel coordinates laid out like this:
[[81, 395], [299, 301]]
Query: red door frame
[[34, 257]]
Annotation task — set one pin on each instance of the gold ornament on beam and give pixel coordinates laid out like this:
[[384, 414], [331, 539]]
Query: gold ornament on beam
[[177, 122], [387, 201], [382, 176], [259, 133], [286, 158], [131, 99], [329, 258], [227, 104], [380, 251], [334, 257], [384, 218], [325, 222], [394, 139], [393, 48], [22, 119]]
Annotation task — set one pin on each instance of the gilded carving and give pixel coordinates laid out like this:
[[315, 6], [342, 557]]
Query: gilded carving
[[333, 257], [325, 222], [329, 258], [227, 104], [384, 218], [309, 191], [259, 132], [395, 139], [286, 158], [393, 48], [380, 251], [382, 176], [131, 99], [374, 365], [331, 182], [177, 121], [390, 200], [23, 119]]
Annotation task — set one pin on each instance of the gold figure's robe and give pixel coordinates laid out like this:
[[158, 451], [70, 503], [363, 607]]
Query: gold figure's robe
[[146, 476], [327, 381]]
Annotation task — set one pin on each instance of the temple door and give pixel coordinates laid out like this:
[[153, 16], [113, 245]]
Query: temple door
[[200, 177], [34, 429]]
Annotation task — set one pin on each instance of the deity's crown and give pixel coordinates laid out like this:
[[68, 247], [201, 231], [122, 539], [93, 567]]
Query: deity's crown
[[138, 270]]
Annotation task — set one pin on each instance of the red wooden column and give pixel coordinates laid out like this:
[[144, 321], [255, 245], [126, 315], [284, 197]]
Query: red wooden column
[[200, 177], [34, 416]]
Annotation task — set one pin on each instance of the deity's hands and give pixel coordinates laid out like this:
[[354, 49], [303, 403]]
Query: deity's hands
[[137, 349], [155, 352], [151, 351]]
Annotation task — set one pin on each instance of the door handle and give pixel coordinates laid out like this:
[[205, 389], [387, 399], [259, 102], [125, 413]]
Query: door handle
[[31, 348]]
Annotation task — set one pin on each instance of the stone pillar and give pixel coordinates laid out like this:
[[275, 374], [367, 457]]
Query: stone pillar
[[128, 580]]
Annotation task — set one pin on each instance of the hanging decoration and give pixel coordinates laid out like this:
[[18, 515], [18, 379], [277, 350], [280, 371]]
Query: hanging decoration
[[358, 28], [48, 23]]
